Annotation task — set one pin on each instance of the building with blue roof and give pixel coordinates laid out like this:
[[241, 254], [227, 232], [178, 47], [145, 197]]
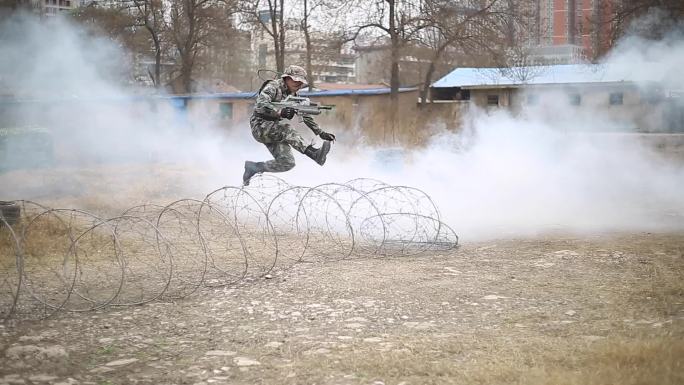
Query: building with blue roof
[[542, 75], [635, 98]]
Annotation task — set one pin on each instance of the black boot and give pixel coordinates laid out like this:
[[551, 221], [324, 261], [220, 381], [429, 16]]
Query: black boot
[[318, 154], [251, 169]]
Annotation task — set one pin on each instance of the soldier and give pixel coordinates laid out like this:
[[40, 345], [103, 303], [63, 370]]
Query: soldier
[[278, 136]]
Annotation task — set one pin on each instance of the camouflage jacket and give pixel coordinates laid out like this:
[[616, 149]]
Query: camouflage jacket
[[275, 91]]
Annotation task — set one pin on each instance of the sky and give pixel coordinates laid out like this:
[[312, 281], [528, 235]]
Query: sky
[[501, 176]]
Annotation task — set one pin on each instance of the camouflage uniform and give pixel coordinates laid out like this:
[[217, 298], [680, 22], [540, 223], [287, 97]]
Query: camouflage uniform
[[277, 136]]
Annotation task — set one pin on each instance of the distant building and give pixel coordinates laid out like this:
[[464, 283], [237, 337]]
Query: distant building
[[55, 7], [331, 63], [637, 101], [569, 31], [373, 63], [41, 7]]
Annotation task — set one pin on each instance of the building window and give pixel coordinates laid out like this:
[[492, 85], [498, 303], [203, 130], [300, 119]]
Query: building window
[[265, 16], [615, 98], [263, 51], [532, 100], [492, 100], [575, 99], [462, 95], [226, 111]]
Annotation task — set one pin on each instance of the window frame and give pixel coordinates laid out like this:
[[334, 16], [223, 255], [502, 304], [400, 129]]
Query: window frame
[[226, 110], [575, 99], [491, 98], [616, 98]]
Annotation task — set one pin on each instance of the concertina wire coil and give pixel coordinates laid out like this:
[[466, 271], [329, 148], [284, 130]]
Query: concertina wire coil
[[59, 259]]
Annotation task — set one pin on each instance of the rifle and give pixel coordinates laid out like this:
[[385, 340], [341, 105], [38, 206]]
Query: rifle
[[302, 105]]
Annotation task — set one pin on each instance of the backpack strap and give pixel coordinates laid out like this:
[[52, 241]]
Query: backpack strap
[[262, 87]]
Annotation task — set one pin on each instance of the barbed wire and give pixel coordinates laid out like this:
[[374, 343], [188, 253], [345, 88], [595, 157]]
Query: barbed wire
[[60, 259]]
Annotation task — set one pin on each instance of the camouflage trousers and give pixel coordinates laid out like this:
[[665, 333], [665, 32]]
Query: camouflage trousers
[[279, 138]]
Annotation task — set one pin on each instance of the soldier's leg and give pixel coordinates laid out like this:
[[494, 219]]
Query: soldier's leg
[[280, 138], [263, 132], [282, 161], [292, 138], [295, 140]]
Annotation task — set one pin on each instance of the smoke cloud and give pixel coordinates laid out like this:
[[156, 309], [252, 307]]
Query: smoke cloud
[[552, 168], [547, 169]]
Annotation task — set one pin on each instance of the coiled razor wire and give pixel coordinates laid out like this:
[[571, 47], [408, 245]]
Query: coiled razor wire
[[56, 259]]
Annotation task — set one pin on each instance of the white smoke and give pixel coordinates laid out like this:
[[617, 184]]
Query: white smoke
[[550, 168], [61, 77], [502, 175]]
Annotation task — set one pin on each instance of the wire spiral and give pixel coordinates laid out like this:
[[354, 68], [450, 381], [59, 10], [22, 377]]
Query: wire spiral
[[58, 259]]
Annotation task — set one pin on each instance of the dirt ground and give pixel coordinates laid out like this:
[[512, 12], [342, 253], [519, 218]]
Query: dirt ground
[[552, 309], [556, 309]]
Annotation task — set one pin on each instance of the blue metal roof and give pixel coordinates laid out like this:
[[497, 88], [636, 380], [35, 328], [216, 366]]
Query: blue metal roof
[[368, 91], [250, 95], [218, 95], [223, 96], [551, 74]]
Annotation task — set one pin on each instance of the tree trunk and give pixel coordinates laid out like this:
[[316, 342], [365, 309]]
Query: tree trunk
[[156, 78], [394, 69], [426, 84], [307, 39], [273, 11], [157, 65], [186, 74], [188, 54], [428, 75], [280, 59]]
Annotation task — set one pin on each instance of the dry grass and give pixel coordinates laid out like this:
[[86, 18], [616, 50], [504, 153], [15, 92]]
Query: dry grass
[[641, 360], [666, 285], [48, 237], [105, 190], [622, 353], [469, 360], [7, 248]]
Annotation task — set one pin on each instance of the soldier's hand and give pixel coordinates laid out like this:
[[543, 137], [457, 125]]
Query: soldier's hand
[[327, 136], [287, 113]]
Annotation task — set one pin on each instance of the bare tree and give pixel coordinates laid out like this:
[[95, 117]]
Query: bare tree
[[149, 14], [512, 45], [269, 16], [520, 64], [123, 20], [114, 22], [226, 53], [466, 28], [190, 27], [399, 21], [327, 43], [306, 29]]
